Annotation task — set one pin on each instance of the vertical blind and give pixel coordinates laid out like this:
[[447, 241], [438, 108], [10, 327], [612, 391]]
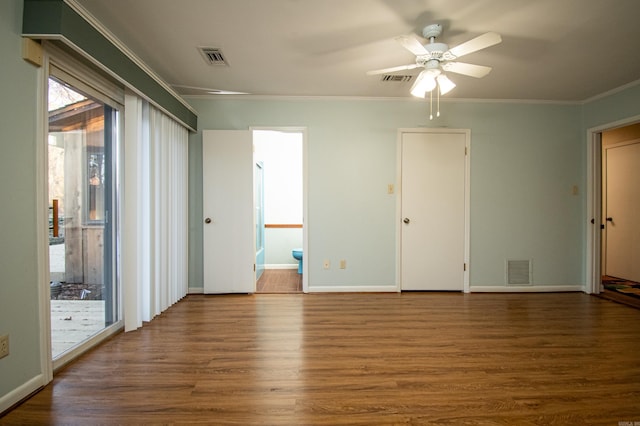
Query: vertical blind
[[155, 216]]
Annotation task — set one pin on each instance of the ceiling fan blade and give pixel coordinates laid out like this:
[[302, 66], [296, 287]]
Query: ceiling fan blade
[[471, 70], [393, 69], [475, 44], [412, 44]]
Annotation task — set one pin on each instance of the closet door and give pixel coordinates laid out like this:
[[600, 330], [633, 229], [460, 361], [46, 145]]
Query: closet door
[[433, 211]]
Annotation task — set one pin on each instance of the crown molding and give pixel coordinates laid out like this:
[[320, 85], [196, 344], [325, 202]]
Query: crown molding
[[374, 98], [611, 92], [104, 31]]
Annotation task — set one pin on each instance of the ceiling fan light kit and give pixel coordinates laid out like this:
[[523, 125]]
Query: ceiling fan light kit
[[436, 57]]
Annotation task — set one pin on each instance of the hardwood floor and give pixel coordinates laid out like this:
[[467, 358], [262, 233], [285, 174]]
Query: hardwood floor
[[279, 281], [363, 359]]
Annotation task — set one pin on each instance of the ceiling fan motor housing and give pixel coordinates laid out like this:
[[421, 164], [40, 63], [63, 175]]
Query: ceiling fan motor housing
[[433, 30], [436, 50]]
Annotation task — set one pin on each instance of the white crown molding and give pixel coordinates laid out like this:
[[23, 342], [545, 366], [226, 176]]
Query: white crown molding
[[376, 98], [611, 92], [87, 16]]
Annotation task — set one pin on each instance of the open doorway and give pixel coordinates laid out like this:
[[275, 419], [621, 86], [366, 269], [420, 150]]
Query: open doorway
[[279, 201], [596, 268], [620, 246]]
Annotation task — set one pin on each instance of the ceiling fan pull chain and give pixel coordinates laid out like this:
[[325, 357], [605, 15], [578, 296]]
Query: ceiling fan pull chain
[[438, 112]]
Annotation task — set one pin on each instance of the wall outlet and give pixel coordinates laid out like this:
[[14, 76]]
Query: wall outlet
[[343, 264], [326, 264], [4, 345]]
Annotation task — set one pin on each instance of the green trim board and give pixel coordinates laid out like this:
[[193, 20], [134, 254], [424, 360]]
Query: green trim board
[[54, 19]]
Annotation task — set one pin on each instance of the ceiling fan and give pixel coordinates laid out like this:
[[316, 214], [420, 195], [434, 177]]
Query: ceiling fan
[[436, 58]]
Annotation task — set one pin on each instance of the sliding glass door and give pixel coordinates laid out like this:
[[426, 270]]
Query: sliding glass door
[[82, 147]]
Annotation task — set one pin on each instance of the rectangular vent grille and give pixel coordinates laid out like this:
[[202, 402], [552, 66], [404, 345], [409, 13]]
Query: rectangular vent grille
[[518, 272], [397, 78], [213, 56]]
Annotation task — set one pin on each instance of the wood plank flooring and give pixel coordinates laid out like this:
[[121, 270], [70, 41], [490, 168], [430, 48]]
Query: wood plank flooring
[[279, 281], [359, 359]]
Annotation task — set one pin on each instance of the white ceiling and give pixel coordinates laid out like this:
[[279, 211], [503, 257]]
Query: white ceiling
[[557, 50]]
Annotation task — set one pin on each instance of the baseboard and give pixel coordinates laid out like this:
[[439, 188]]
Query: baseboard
[[354, 289], [394, 289], [21, 392], [525, 289], [281, 266]]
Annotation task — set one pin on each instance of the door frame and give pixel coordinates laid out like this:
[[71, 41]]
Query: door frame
[[467, 199], [593, 278], [305, 191], [258, 184], [83, 78]]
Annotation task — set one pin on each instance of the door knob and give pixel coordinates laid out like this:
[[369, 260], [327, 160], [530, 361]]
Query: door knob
[[609, 219], [406, 220], [207, 220]]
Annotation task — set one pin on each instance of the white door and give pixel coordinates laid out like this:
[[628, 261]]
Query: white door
[[227, 205], [433, 248], [623, 212]]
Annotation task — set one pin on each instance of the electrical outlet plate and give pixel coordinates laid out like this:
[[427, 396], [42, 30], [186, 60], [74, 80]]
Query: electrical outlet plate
[[4, 345]]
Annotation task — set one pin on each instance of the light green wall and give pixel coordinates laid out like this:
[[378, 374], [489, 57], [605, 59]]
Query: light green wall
[[19, 315], [525, 160], [279, 242]]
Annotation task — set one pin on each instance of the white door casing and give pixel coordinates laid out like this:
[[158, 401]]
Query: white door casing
[[434, 209], [228, 211]]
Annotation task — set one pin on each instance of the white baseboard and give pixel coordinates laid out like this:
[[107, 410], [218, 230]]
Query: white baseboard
[[354, 289], [395, 289], [525, 289], [281, 266], [21, 392]]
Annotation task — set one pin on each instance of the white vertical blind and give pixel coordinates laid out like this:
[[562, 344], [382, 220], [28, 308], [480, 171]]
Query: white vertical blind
[[155, 265]]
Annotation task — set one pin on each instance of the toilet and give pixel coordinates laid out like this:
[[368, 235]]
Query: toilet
[[297, 254]]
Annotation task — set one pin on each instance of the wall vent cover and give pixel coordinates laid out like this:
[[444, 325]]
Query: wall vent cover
[[518, 272], [213, 56], [397, 78]]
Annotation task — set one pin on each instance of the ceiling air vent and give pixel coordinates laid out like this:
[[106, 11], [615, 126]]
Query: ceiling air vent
[[213, 56], [518, 272], [397, 78]]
